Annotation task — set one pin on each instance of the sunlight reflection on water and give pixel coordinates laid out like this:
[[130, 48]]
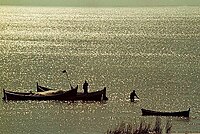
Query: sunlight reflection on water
[[152, 50]]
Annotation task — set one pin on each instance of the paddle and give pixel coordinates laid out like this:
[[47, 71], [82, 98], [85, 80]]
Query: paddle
[[64, 71]]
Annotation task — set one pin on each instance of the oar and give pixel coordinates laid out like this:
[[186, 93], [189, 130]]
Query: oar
[[64, 71]]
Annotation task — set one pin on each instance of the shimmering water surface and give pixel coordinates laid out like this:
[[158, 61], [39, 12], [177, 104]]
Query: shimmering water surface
[[155, 51]]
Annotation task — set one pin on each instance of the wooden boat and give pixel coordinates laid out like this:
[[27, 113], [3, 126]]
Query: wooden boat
[[93, 96], [42, 88], [146, 112], [47, 95]]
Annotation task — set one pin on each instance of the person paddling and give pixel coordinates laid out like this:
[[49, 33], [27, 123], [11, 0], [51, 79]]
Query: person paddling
[[133, 95]]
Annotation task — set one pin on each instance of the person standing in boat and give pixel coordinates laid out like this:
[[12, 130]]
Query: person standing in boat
[[85, 87], [133, 95]]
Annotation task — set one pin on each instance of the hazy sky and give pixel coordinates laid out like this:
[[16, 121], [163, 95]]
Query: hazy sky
[[101, 3]]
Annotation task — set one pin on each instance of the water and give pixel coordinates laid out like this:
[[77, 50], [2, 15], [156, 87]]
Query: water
[[153, 50]]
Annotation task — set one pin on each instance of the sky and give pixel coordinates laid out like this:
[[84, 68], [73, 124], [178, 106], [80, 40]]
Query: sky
[[101, 3]]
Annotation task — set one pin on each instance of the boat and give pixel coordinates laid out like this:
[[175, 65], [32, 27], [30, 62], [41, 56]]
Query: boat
[[91, 96], [47, 95], [146, 112], [43, 89]]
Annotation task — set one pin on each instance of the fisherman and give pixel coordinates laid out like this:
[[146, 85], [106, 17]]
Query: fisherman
[[85, 87], [133, 95]]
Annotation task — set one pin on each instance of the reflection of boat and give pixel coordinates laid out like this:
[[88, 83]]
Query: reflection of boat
[[156, 113]]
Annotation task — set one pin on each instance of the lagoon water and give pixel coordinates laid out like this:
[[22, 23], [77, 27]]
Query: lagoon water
[[154, 50]]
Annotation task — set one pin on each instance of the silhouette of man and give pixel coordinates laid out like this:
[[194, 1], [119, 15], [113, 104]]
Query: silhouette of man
[[133, 95], [85, 87]]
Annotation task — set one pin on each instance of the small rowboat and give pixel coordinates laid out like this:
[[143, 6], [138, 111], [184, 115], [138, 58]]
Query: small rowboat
[[146, 112], [92, 96], [48, 95], [43, 89]]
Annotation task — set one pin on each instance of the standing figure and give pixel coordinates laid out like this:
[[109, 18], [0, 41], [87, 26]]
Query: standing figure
[[133, 95], [85, 87]]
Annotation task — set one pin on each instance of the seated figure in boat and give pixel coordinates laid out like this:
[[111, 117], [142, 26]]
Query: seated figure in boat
[[133, 95], [85, 87]]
